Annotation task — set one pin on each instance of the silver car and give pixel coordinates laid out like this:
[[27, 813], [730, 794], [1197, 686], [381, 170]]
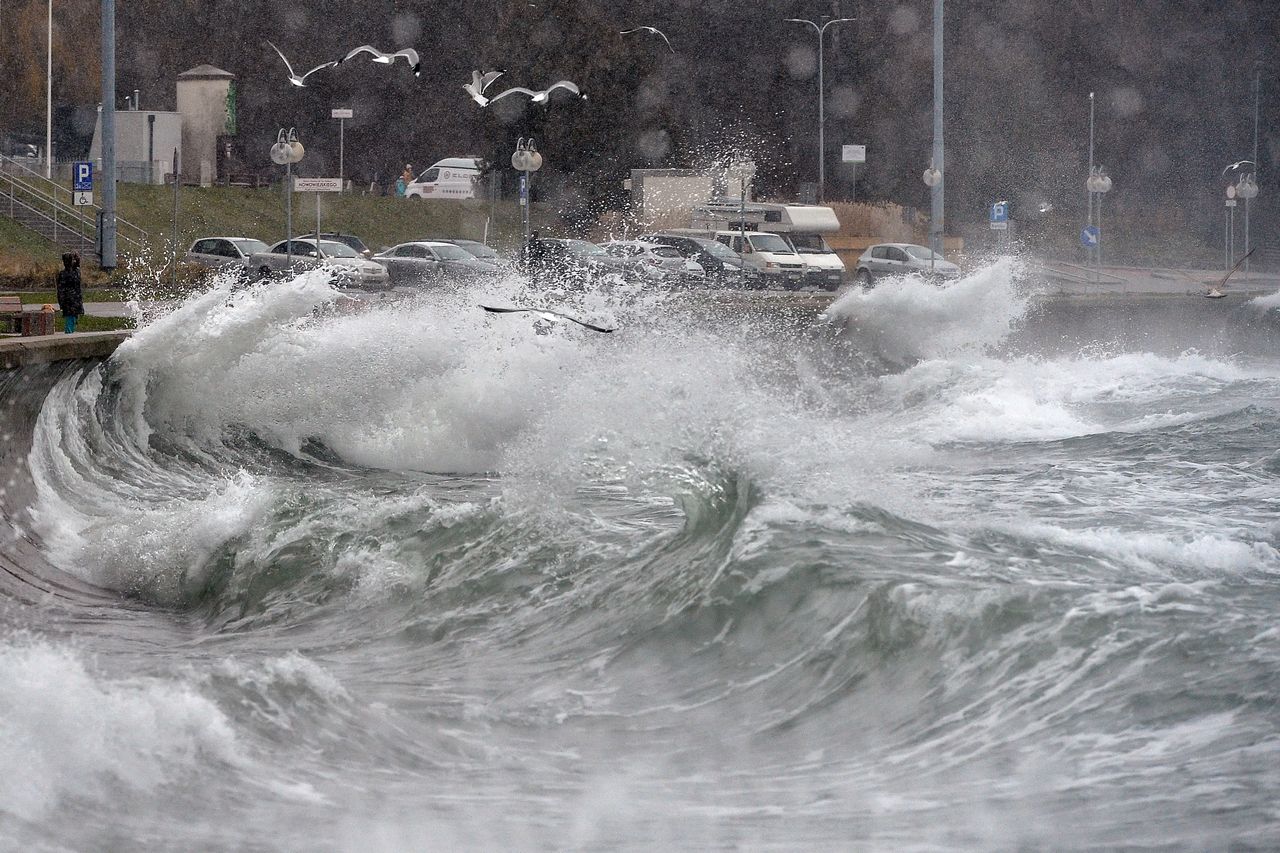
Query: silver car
[[653, 261], [889, 259], [214, 252], [422, 261], [346, 264]]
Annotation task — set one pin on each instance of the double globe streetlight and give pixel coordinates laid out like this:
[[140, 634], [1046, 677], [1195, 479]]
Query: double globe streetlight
[[286, 151], [1246, 188], [822, 123], [1098, 184], [526, 160]]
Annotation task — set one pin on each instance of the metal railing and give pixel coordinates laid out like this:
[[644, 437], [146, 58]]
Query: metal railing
[[23, 187]]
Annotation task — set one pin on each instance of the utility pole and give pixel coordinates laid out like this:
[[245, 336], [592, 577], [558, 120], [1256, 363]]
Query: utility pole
[[937, 219], [108, 230], [48, 99], [822, 89]]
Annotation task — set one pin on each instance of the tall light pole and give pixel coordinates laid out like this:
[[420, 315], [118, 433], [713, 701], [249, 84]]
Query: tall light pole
[[1247, 189], [107, 230], [1098, 184], [822, 122], [1088, 189], [48, 99], [286, 151], [937, 218], [932, 178], [1257, 87], [526, 160]]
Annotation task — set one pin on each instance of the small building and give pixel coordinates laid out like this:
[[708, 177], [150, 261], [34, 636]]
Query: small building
[[145, 142], [207, 102]]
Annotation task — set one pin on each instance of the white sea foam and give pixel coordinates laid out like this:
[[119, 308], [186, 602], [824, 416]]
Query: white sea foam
[[68, 731]]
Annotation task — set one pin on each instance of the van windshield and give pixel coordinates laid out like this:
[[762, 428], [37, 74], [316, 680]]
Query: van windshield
[[810, 244], [770, 243]]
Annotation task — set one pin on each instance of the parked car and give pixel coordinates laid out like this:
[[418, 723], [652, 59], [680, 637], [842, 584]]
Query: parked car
[[350, 239], [480, 250], [719, 263], [823, 267], [573, 262], [215, 252], [421, 261], [901, 259], [651, 261], [350, 270], [774, 261]]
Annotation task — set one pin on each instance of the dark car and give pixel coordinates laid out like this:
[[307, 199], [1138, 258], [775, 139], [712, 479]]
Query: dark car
[[432, 260], [481, 250], [723, 265], [346, 239], [558, 260]]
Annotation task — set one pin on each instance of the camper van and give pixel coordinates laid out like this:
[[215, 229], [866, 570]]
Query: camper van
[[454, 177], [801, 226]]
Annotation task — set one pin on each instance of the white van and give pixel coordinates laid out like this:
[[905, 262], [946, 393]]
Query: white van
[[769, 255], [802, 226], [454, 177]]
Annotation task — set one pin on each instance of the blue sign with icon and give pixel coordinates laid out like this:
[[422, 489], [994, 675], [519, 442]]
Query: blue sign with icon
[[1090, 235], [1000, 211], [82, 177]]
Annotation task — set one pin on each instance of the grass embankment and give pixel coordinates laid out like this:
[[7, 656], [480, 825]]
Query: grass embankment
[[28, 261]]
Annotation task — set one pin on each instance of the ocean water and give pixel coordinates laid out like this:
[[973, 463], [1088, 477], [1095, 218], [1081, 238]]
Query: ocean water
[[973, 568]]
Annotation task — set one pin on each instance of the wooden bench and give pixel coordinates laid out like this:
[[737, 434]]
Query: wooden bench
[[10, 314]]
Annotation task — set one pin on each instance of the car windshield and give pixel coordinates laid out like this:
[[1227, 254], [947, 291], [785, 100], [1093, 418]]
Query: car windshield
[[450, 252], [249, 246], [810, 244], [334, 249], [582, 247], [480, 250], [770, 243], [717, 249], [921, 252]]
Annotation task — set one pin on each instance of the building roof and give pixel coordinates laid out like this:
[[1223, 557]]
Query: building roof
[[206, 72]]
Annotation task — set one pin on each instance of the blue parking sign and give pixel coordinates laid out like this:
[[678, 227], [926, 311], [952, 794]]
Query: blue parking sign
[[1000, 211], [1090, 235], [82, 176]]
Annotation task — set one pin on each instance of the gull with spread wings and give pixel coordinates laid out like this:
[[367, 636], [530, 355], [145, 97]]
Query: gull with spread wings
[[480, 82], [408, 54], [1237, 165], [548, 316], [293, 76], [653, 30], [540, 96]]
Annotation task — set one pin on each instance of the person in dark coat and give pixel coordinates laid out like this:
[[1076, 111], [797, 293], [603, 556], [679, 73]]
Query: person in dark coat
[[70, 291]]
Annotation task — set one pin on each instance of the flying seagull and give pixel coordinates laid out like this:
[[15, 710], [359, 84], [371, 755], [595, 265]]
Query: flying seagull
[[410, 55], [1238, 165], [293, 77], [480, 82], [1215, 292], [549, 316], [539, 97], [655, 31]]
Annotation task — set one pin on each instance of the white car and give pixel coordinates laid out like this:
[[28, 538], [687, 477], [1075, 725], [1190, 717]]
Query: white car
[[214, 252], [902, 259], [649, 260], [349, 268]]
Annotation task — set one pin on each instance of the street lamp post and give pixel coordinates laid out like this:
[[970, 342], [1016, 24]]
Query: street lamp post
[[822, 123], [1229, 233], [932, 179], [1257, 88], [286, 151], [527, 160], [1247, 189], [937, 207], [1098, 184]]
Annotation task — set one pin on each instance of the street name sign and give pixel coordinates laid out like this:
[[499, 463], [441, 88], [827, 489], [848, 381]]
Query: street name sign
[[317, 185]]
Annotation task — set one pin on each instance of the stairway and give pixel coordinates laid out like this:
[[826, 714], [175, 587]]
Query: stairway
[[33, 202]]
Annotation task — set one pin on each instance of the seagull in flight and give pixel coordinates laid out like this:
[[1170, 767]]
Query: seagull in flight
[[293, 76], [542, 96], [1238, 165], [549, 316], [409, 54], [480, 82], [654, 30]]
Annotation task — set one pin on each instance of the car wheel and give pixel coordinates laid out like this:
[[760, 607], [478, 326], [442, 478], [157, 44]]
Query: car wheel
[[864, 279]]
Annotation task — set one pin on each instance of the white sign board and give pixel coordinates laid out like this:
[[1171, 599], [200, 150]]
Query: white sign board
[[84, 199], [853, 153], [999, 226], [317, 185], [338, 113]]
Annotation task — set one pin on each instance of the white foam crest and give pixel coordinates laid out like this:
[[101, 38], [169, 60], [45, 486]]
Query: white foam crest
[[1265, 303], [66, 731], [1023, 399], [903, 319]]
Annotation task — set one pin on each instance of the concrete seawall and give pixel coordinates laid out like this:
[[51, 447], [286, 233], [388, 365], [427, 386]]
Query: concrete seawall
[[42, 349]]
